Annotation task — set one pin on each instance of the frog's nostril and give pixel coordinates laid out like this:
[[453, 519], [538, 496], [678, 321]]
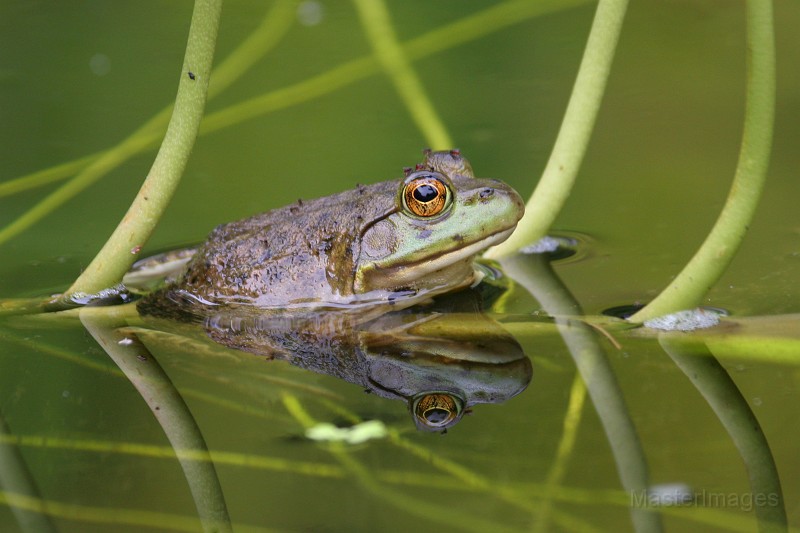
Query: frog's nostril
[[485, 193]]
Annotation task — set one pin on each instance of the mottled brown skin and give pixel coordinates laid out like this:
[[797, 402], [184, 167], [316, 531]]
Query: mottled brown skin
[[287, 254]]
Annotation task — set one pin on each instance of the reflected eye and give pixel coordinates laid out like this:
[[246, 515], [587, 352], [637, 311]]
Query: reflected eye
[[424, 195], [436, 410]]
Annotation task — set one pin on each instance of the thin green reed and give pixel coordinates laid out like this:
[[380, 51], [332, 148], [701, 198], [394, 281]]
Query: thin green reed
[[91, 168], [378, 28]]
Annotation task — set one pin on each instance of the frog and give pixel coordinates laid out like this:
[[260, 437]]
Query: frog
[[396, 243]]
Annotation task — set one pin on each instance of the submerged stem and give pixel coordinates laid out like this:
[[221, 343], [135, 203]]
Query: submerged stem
[[721, 244], [116, 256], [556, 182], [377, 25], [169, 409], [726, 400]]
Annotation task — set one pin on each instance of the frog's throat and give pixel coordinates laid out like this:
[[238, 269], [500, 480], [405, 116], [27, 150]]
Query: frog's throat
[[410, 274]]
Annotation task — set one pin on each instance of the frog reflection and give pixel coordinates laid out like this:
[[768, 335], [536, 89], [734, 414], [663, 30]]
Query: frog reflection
[[439, 361]]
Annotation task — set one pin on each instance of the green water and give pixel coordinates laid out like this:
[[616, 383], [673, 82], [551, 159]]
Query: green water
[[77, 79]]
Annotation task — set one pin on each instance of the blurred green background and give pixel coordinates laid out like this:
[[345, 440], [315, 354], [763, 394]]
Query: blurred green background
[[76, 78]]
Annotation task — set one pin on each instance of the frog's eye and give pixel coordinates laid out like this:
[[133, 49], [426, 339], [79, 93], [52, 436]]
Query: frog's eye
[[425, 195], [437, 410]]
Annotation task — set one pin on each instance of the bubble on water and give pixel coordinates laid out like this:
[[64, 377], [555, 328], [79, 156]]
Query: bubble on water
[[310, 13], [757, 401], [544, 245], [100, 64], [688, 320], [111, 293]]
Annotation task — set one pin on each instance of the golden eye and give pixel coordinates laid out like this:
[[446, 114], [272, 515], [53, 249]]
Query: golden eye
[[425, 195], [436, 410]]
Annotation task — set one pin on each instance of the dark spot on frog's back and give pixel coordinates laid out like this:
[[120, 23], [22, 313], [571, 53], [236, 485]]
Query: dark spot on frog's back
[[458, 237], [424, 234], [486, 193]]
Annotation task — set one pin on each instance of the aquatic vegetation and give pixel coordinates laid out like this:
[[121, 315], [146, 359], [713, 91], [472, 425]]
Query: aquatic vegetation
[[305, 434]]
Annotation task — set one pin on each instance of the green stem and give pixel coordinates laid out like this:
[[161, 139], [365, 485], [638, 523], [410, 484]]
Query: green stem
[[556, 182], [169, 408], [117, 255], [98, 167], [377, 25], [16, 479], [467, 29], [560, 464], [425, 509], [535, 273], [45, 176], [727, 402], [93, 167], [711, 260]]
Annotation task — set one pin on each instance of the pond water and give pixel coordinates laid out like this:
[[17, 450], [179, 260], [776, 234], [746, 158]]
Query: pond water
[[572, 450]]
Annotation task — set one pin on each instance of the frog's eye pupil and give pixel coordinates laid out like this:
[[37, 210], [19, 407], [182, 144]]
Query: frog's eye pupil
[[437, 416], [425, 193]]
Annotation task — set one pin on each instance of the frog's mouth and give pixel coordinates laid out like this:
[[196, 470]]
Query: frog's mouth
[[447, 271], [449, 259]]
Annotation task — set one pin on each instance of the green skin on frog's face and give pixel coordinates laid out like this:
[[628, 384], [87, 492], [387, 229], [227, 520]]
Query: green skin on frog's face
[[392, 241]]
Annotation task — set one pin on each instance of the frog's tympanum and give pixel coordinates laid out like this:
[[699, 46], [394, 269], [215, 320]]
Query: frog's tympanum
[[398, 242]]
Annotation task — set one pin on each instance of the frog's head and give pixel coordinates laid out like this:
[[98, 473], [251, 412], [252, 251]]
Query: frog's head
[[443, 218]]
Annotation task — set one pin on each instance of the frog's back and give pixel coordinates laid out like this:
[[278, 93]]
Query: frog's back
[[299, 254]]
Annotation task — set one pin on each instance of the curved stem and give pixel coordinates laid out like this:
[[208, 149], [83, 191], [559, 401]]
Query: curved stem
[[713, 257], [92, 167], [117, 255], [377, 25], [464, 30], [169, 409], [727, 402], [535, 273], [556, 182]]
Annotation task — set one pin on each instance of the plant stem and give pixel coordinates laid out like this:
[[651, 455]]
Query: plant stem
[[535, 273], [461, 31], [556, 182], [117, 255], [715, 254], [726, 400], [169, 409], [377, 25], [91, 168]]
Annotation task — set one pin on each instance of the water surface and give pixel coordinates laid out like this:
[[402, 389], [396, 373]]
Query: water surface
[[75, 80]]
